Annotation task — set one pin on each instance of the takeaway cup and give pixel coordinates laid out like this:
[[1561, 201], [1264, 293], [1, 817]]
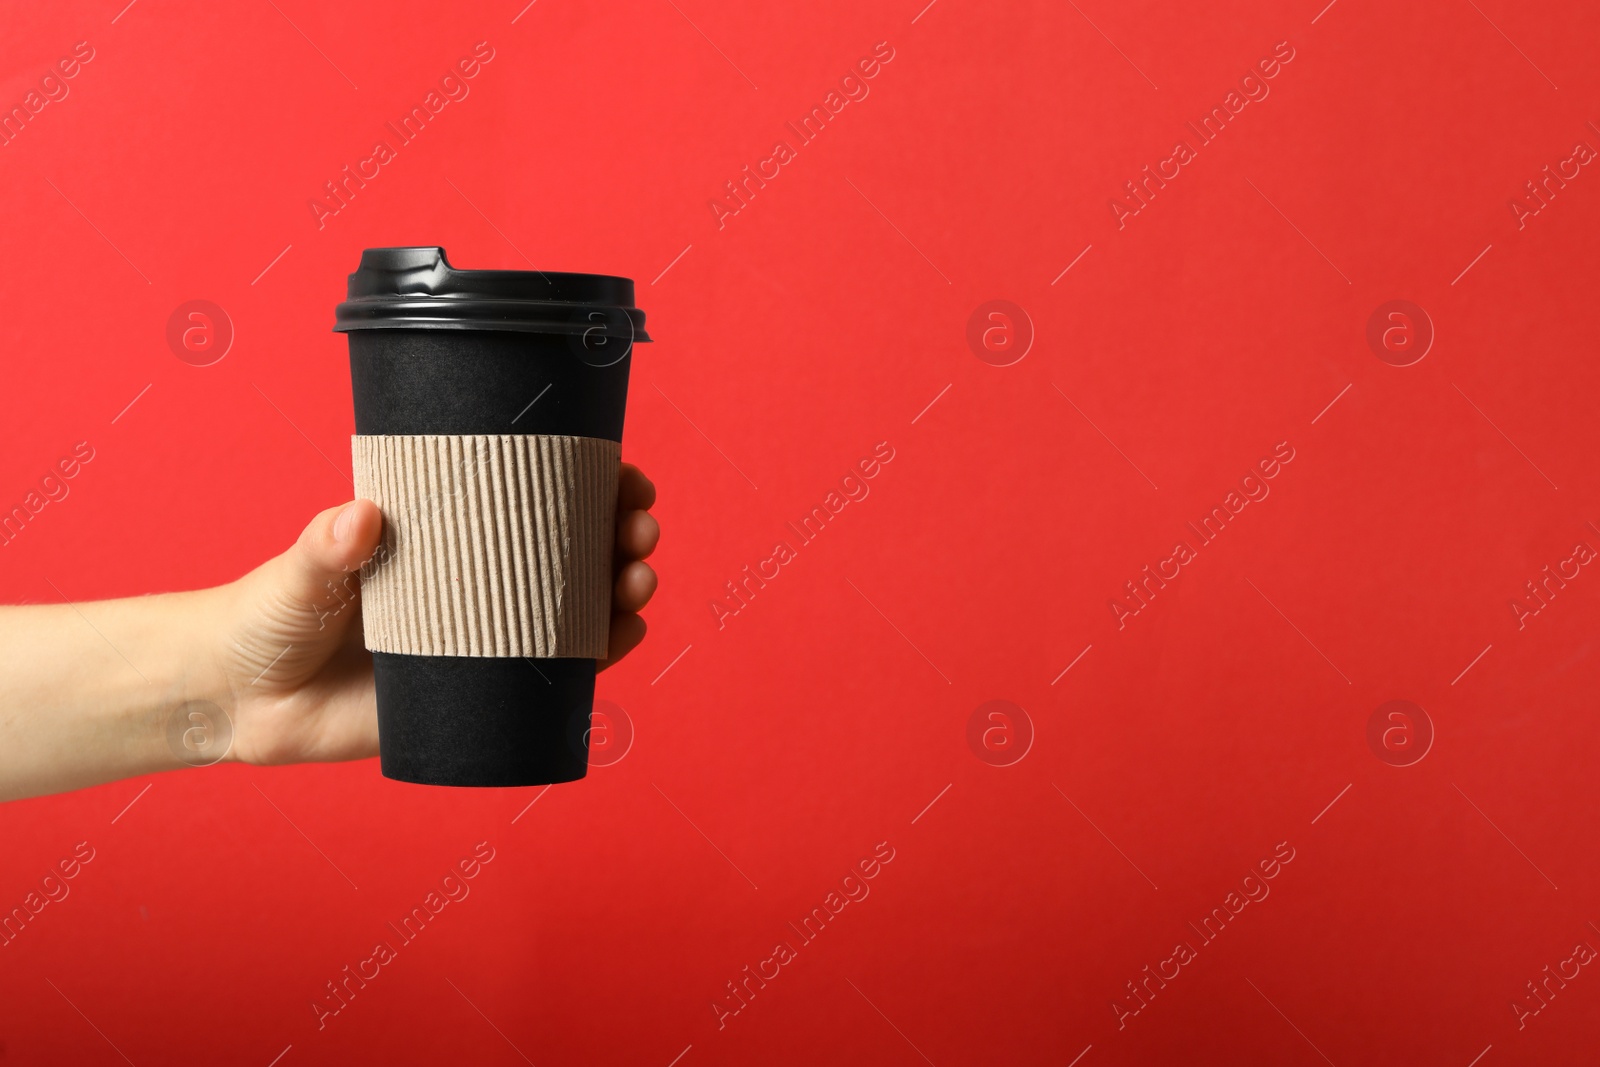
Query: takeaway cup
[[488, 408]]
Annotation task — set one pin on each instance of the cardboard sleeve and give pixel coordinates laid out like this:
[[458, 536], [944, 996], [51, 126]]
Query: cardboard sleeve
[[493, 544]]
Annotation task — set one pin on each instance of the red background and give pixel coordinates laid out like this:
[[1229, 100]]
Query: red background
[[773, 753]]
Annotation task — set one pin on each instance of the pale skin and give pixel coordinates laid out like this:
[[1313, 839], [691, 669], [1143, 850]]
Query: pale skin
[[88, 690]]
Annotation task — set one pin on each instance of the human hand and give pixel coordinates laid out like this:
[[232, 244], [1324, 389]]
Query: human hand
[[290, 656]]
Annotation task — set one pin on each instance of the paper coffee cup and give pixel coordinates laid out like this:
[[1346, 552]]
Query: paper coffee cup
[[489, 407]]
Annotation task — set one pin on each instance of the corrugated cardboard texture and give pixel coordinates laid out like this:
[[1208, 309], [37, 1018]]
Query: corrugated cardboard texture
[[493, 544]]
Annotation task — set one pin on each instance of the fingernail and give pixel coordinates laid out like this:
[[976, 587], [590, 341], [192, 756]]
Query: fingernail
[[343, 522]]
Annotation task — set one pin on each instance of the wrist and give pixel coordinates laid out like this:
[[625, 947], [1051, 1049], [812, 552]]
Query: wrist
[[187, 708], [180, 714], [200, 701]]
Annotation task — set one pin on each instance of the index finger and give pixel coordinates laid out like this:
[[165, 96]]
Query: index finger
[[635, 492]]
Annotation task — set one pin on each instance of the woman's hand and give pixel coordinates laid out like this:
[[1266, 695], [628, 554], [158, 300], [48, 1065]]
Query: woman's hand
[[292, 671]]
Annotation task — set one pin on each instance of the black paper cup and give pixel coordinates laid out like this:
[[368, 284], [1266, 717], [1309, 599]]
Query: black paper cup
[[489, 408]]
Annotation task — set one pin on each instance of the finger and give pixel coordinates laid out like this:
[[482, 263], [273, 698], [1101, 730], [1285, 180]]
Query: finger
[[637, 534], [317, 571], [635, 585], [634, 490], [627, 631]]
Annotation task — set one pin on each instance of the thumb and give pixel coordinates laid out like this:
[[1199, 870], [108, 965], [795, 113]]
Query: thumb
[[317, 574]]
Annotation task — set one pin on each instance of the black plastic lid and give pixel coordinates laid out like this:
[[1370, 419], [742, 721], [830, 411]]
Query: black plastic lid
[[417, 288]]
